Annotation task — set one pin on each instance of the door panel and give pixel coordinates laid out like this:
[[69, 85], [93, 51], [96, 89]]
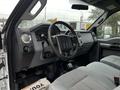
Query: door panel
[[109, 47]]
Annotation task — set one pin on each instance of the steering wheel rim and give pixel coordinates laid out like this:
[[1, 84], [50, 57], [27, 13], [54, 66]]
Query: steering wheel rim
[[54, 47]]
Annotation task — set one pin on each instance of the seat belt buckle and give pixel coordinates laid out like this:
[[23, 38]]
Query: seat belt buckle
[[117, 81]]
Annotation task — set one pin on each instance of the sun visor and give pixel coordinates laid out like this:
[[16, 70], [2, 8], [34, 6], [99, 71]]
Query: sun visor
[[34, 9]]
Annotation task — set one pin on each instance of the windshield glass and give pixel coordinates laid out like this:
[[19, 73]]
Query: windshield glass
[[60, 10], [6, 7]]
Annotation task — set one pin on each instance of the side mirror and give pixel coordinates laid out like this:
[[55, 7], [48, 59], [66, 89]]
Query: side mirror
[[79, 7]]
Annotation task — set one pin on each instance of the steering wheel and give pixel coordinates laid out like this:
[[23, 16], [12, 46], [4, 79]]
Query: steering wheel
[[64, 45]]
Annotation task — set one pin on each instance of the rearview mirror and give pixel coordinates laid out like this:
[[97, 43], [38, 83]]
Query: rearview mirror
[[79, 7]]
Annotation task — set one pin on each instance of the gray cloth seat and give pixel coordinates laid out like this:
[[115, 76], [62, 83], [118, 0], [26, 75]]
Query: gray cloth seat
[[112, 60], [95, 76], [104, 70]]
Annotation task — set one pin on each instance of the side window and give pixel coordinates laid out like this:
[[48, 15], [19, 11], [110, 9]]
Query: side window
[[110, 28]]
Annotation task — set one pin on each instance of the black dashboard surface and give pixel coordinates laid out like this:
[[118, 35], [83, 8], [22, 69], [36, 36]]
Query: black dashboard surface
[[42, 30], [42, 52]]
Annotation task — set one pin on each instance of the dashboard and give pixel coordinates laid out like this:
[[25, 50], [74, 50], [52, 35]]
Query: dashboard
[[32, 47]]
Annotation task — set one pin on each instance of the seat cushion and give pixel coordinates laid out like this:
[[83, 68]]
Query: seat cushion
[[103, 69], [112, 60], [117, 88], [82, 79]]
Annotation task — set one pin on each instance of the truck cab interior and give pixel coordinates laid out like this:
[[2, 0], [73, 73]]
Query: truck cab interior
[[60, 46]]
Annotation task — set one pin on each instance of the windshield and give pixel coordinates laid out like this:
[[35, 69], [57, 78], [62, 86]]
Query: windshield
[[60, 10], [6, 7]]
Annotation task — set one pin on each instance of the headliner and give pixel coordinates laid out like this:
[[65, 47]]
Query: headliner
[[111, 6]]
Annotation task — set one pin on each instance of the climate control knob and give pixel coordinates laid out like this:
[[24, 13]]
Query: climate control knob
[[26, 38]]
